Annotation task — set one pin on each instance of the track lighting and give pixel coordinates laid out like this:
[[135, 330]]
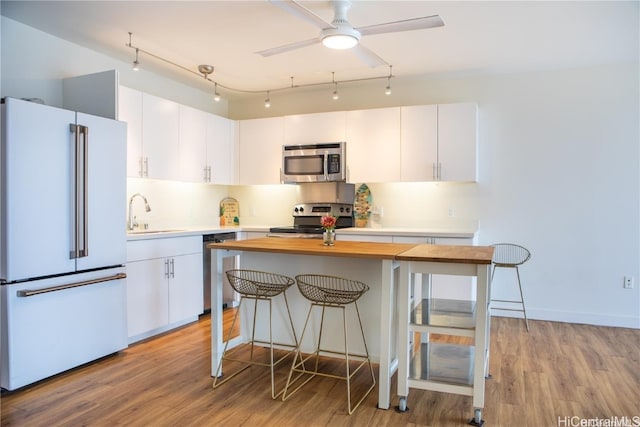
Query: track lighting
[[136, 63], [206, 70]]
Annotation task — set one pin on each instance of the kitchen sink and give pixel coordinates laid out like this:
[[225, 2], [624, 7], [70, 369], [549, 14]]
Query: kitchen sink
[[169, 230]]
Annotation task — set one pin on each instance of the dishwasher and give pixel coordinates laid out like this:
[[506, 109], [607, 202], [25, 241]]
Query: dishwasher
[[229, 297]]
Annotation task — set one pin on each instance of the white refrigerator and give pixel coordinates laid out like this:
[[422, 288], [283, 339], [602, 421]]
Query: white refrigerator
[[63, 250]]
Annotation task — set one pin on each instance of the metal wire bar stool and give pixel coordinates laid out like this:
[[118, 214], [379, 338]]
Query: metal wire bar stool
[[258, 286], [335, 293], [509, 255]]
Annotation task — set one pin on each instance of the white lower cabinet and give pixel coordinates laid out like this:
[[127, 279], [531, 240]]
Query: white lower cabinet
[[364, 237], [164, 284]]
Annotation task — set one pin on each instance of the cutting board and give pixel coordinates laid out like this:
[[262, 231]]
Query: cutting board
[[229, 211]]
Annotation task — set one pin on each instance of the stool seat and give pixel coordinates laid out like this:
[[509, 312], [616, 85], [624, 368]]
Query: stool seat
[[329, 292], [330, 289], [258, 283], [258, 286]]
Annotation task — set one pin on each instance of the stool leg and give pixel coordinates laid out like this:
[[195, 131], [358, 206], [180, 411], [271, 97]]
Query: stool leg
[[366, 351], [294, 365], [524, 310], [224, 351]]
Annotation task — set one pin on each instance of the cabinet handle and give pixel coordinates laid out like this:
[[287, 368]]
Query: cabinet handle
[[140, 167], [204, 170], [209, 173], [439, 171], [172, 266], [146, 167], [166, 268], [434, 171]]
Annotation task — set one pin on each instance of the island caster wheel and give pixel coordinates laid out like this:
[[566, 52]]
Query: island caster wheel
[[402, 405], [477, 418]]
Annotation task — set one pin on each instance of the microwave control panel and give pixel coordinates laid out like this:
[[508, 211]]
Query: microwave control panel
[[333, 163]]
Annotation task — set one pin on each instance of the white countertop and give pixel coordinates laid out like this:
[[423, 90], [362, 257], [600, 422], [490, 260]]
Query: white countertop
[[434, 231]]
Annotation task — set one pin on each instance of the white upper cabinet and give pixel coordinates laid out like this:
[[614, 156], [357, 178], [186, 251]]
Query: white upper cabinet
[[160, 136], [193, 139], [419, 143], [130, 111], [219, 149], [315, 128], [373, 145], [152, 134], [457, 141], [206, 147], [260, 150], [439, 142]]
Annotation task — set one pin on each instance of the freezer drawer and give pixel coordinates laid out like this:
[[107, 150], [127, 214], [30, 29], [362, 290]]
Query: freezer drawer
[[52, 325]]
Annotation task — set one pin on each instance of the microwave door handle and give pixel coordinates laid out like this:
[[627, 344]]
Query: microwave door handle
[[326, 167]]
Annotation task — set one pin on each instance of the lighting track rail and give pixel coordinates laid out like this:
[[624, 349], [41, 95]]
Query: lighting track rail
[[206, 70]]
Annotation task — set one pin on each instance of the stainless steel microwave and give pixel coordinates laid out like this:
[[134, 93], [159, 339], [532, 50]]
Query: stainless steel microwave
[[314, 163]]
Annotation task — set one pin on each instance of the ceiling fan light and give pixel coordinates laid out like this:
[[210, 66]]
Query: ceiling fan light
[[340, 38], [339, 42]]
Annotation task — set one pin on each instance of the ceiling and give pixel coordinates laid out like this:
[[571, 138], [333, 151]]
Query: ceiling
[[478, 37]]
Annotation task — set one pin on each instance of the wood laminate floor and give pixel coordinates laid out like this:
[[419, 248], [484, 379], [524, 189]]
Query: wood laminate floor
[[557, 375]]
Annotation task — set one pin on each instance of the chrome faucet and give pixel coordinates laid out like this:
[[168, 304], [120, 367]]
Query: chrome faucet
[[132, 221]]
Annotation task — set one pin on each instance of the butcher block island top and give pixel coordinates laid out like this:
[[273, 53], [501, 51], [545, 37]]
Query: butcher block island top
[[349, 249], [448, 253]]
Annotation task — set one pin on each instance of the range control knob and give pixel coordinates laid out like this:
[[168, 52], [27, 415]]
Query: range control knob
[[301, 209]]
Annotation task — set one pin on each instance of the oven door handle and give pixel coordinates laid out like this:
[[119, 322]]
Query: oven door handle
[[29, 293]]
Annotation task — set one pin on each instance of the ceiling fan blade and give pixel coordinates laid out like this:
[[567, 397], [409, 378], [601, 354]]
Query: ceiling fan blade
[[288, 47], [368, 57], [301, 12], [405, 25]]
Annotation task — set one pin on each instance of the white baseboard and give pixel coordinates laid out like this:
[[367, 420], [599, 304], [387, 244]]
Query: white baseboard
[[596, 319]]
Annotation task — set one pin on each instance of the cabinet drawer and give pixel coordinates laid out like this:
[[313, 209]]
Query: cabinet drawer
[[138, 250]]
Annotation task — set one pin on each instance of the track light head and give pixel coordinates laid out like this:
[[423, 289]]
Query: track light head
[[267, 102], [136, 63]]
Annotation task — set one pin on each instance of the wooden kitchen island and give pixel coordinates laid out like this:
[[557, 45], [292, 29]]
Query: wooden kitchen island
[[387, 268], [372, 263]]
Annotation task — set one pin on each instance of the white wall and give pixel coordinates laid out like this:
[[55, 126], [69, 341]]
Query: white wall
[[559, 164]]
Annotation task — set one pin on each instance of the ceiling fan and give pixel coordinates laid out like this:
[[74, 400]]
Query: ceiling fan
[[340, 34]]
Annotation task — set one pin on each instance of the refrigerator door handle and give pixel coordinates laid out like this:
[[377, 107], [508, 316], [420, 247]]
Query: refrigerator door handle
[[84, 252], [29, 293], [75, 251]]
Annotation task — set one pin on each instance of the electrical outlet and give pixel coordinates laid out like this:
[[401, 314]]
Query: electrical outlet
[[628, 282], [452, 212]]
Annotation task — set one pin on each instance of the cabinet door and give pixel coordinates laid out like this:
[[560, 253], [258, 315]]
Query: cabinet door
[[373, 145], [160, 136], [130, 111], [219, 148], [457, 141], [363, 237], [315, 128], [260, 150], [193, 135], [185, 287], [147, 296], [418, 143]]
